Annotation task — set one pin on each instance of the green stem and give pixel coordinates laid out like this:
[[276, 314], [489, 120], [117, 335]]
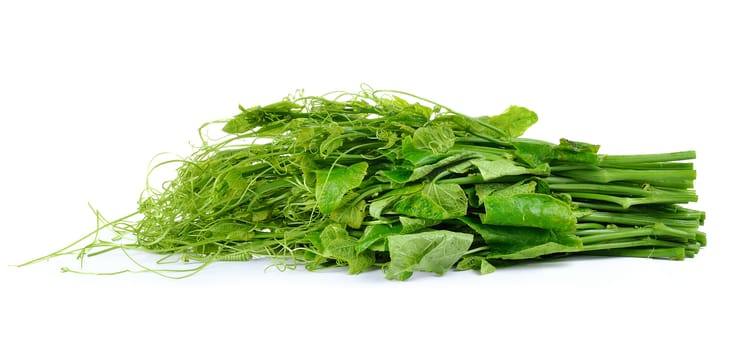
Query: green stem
[[489, 153], [466, 180], [668, 178], [652, 166], [644, 242], [63, 251], [372, 190], [656, 231], [476, 250], [636, 219], [672, 253], [636, 195], [588, 226], [607, 160], [672, 211], [626, 203], [622, 201], [598, 188]]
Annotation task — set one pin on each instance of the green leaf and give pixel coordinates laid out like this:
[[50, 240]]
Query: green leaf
[[338, 244], [536, 152], [284, 107], [351, 215], [477, 263], [486, 189], [362, 262], [398, 108], [528, 210], [447, 162], [411, 225], [315, 238], [486, 267], [515, 120], [576, 152], [436, 139], [237, 125], [250, 118], [417, 156], [576, 146], [332, 140], [377, 206], [231, 231], [533, 152], [495, 169], [515, 243], [397, 175], [432, 251], [374, 234], [435, 201], [261, 214], [475, 126], [345, 250], [459, 168], [333, 184], [388, 137], [472, 196], [331, 233]]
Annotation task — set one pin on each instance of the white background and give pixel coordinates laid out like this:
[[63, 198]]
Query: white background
[[90, 91]]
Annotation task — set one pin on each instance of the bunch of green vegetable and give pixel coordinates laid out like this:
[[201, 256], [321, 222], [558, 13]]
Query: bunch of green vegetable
[[370, 180]]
